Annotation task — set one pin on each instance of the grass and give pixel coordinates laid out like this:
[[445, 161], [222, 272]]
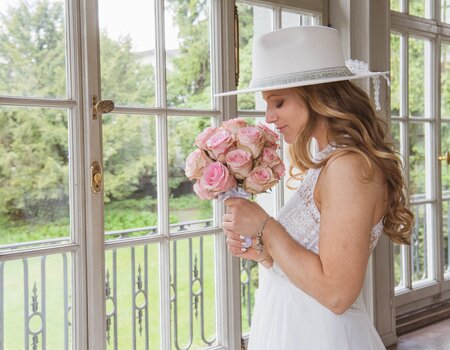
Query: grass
[[125, 214]]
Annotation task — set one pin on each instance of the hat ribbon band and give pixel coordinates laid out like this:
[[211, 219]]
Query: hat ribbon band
[[316, 74]]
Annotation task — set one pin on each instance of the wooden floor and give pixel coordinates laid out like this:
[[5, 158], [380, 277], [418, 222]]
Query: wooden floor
[[433, 337]]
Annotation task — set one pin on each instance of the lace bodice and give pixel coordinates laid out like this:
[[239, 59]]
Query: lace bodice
[[301, 217]]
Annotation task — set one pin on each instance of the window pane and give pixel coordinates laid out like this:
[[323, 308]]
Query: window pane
[[395, 75], [294, 19], [34, 174], [395, 5], [249, 285], [192, 279], [395, 134], [41, 289], [417, 174], [32, 48], [446, 231], [445, 179], [420, 244], [399, 276], [253, 21], [416, 77], [445, 11], [445, 81], [417, 8], [132, 297], [129, 158], [187, 211], [127, 51], [188, 65]]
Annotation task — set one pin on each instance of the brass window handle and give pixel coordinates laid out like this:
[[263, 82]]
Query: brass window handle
[[100, 107], [445, 157]]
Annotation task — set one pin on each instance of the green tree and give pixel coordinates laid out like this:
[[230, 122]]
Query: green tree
[[34, 141]]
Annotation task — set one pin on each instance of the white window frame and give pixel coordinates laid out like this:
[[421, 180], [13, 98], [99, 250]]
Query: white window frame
[[414, 296]]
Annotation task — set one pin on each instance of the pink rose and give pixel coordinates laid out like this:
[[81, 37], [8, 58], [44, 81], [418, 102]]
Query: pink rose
[[279, 170], [251, 139], [259, 180], [216, 179], [239, 162], [204, 136], [219, 144], [234, 124], [195, 163], [269, 157], [202, 193], [270, 136]]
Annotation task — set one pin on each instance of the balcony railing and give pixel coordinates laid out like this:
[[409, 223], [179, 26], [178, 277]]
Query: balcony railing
[[35, 294]]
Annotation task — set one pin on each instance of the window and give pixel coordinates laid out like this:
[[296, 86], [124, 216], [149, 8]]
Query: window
[[134, 252], [419, 106]]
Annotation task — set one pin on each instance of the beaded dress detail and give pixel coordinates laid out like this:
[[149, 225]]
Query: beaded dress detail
[[305, 228]]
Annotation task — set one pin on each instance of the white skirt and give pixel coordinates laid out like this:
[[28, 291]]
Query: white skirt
[[286, 318]]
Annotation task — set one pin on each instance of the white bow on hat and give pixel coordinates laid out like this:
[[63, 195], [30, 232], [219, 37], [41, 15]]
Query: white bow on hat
[[299, 56]]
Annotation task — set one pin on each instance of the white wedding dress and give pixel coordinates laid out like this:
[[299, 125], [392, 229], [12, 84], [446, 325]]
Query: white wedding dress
[[286, 318]]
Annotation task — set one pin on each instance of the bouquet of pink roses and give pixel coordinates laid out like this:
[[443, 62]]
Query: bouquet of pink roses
[[234, 160]]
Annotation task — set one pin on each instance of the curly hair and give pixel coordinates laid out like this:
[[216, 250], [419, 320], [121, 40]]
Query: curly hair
[[353, 127]]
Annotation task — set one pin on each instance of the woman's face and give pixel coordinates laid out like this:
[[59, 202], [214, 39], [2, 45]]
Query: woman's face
[[287, 111]]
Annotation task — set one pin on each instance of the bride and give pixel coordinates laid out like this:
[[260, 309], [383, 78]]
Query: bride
[[317, 249]]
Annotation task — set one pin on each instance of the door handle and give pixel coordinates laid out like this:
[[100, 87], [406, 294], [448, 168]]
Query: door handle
[[445, 157], [96, 177], [100, 107]]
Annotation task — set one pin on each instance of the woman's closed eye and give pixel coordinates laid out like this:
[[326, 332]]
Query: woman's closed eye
[[279, 104]]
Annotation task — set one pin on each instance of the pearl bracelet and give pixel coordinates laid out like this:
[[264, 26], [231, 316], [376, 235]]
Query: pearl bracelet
[[259, 242]]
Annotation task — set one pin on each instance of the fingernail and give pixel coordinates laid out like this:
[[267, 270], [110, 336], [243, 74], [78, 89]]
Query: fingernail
[[243, 250], [241, 237]]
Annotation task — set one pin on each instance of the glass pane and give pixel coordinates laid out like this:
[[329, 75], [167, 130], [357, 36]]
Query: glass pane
[[249, 285], [445, 81], [445, 169], [446, 231], [395, 134], [129, 158], [417, 8], [192, 278], [127, 51], [417, 175], [132, 298], [399, 277], [188, 66], [420, 244], [416, 77], [445, 11], [37, 298], [395, 5], [32, 48], [34, 174], [187, 211], [253, 21], [445, 179], [294, 19], [395, 75]]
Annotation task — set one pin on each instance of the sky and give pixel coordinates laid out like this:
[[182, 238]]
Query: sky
[[119, 18]]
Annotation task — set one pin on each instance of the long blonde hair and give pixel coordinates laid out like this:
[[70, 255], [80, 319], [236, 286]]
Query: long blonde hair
[[353, 127]]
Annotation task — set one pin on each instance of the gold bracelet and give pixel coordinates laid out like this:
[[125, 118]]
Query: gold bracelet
[[259, 242], [268, 257]]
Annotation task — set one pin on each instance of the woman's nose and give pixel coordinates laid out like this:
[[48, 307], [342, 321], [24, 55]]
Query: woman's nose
[[270, 117]]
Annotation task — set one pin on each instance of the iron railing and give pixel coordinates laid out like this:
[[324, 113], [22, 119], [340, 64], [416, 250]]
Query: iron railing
[[36, 316]]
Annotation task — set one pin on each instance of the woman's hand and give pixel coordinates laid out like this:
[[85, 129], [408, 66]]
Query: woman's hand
[[243, 217]]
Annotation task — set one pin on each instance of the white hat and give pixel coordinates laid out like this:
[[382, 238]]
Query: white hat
[[299, 56]]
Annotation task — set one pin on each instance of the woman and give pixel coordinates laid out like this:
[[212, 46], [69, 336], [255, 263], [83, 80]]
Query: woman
[[317, 249]]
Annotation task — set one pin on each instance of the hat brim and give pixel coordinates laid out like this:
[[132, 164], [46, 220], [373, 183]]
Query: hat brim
[[299, 83]]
